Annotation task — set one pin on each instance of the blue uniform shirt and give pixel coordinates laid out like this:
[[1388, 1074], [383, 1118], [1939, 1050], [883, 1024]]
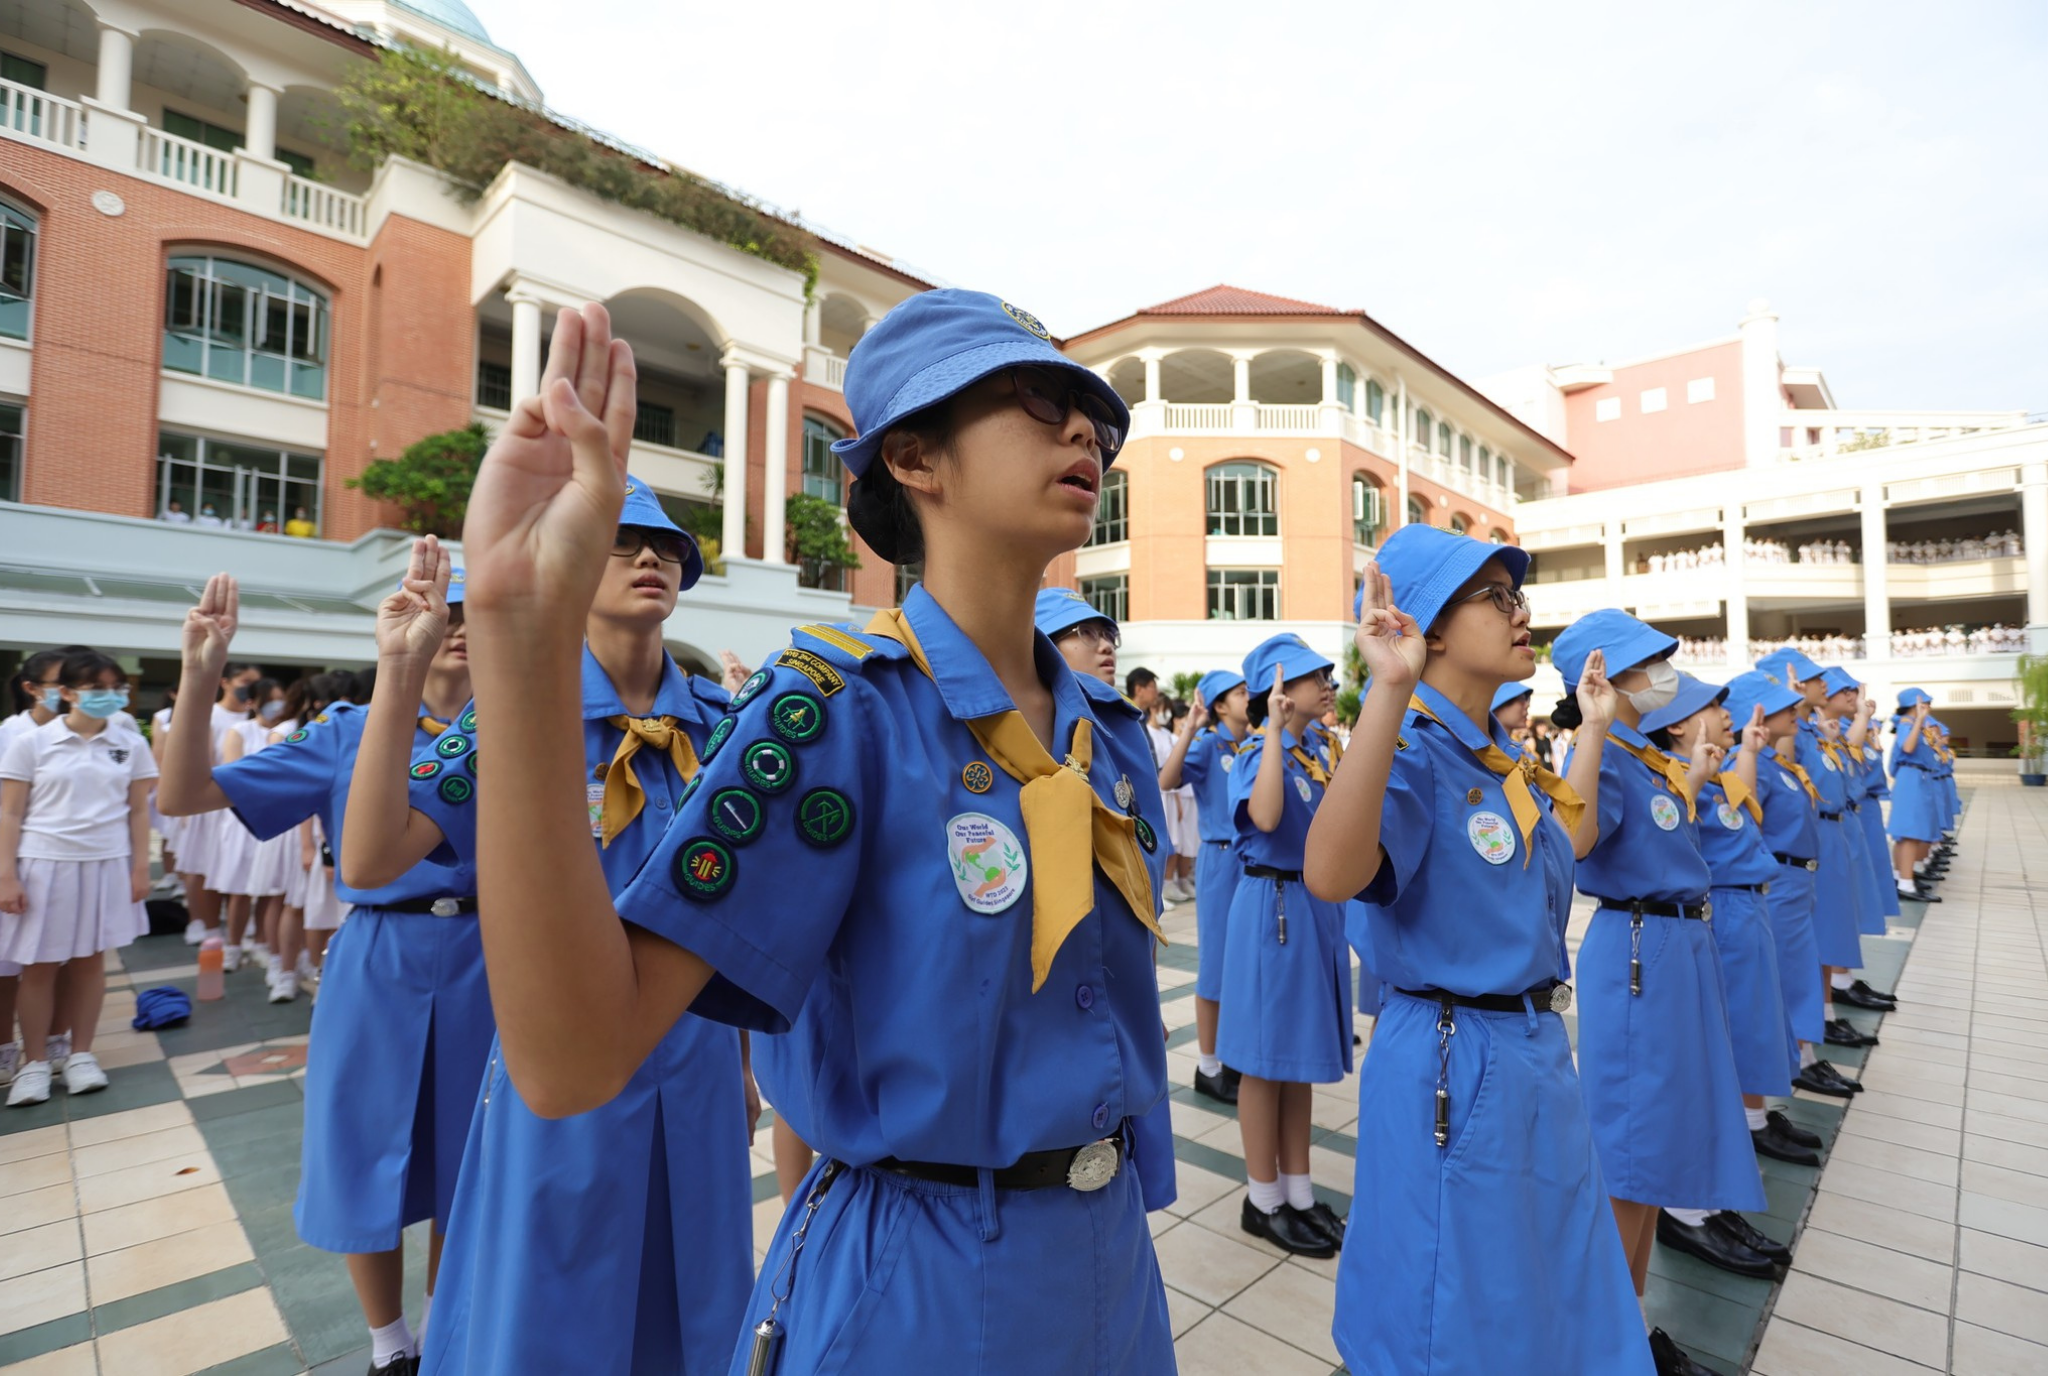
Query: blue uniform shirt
[[1283, 846], [1207, 767], [1731, 840], [1648, 848], [1453, 906], [1876, 784], [1821, 767], [1790, 826], [1920, 757], [309, 774], [881, 911]]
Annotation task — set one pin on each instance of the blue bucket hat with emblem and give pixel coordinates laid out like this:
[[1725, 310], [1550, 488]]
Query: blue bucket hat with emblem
[[1060, 609], [1216, 683], [1747, 692], [1693, 695], [1909, 698], [1626, 641], [937, 343], [1786, 660], [644, 509], [1426, 565], [455, 583], [1287, 652], [1509, 692]]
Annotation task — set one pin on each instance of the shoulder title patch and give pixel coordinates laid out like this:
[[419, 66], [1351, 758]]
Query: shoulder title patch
[[813, 668]]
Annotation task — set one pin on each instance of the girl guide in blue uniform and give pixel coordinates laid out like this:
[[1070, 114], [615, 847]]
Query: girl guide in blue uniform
[[1850, 711], [1285, 1016], [1203, 756], [636, 1216], [1511, 707], [906, 853], [1916, 816], [403, 1023], [1491, 1245], [1655, 1057]]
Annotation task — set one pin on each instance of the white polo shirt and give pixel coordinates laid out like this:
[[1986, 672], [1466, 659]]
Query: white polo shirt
[[78, 789]]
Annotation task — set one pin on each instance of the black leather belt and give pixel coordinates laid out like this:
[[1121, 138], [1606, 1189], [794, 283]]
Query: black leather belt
[[1644, 907], [1220, 845], [1831, 816], [1746, 888], [1268, 872], [1794, 861], [1551, 996], [439, 907], [1083, 1168]]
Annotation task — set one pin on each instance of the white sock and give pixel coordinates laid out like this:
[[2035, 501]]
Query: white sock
[[1301, 1190], [1268, 1195], [1209, 1065], [391, 1341], [1691, 1218], [1806, 1055], [1839, 980], [1757, 1118]]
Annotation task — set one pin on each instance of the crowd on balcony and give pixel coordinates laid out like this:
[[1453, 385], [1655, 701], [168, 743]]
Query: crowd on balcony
[[1684, 560], [1701, 650], [2000, 544], [1825, 648], [1827, 552], [1931, 641]]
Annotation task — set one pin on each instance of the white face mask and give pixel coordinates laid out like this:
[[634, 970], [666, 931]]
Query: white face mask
[[1662, 690], [271, 711]]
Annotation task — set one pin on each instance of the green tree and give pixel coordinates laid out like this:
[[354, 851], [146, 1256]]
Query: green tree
[[817, 540], [429, 483], [1184, 686]]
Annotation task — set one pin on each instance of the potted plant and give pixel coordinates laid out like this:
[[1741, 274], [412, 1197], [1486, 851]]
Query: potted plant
[[2032, 716]]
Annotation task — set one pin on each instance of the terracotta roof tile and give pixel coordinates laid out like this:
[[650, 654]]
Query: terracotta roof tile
[[1227, 300]]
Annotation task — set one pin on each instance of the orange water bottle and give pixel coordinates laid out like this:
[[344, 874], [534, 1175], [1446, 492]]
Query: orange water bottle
[[210, 969]]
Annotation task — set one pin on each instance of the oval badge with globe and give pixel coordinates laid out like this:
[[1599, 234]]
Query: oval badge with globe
[[987, 861], [1491, 836], [1663, 811]]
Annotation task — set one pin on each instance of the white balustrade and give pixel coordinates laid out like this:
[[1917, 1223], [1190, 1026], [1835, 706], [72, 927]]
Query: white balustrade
[[38, 117], [1830, 434], [182, 160], [1198, 415], [316, 204], [824, 368], [1273, 417]]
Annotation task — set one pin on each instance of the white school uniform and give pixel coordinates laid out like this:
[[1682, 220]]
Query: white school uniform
[[312, 890], [202, 834], [241, 863], [74, 855]]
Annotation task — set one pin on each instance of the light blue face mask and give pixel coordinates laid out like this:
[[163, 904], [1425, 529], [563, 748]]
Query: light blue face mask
[[102, 702], [53, 700]]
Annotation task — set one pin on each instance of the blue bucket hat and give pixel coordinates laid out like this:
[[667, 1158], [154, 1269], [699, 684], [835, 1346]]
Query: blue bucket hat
[[1425, 565], [1287, 652], [1627, 641], [1747, 692], [1838, 680], [454, 597], [164, 1006], [1693, 695], [1216, 683], [1509, 692], [937, 343], [1060, 609], [1786, 660], [1909, 698], [644, 509]]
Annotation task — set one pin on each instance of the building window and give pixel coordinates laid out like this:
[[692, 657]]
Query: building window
[[654, 423], [1368, 511], [1459, 525], [1422, 425], [1244, 594], [1498, 537], [1443, 438], [236, 486], [224, 140], [823, 474], [1698, 390], [1375, 401], [1347, 386], [494, 385], [1500, 472], [908, 576], [1607, 408], [1243, 500], [10, 452], [1653, 400], [1110, 594], [17, 271], [236, 322], [814, 573], [1112, 511], [1418, 512], [1465, 454], [24, 71]]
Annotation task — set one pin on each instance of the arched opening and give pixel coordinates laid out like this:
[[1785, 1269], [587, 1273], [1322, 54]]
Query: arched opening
[[1127, 379], [199, 89], [1461, 524], [64, 28], [1499, 537], [236, 320], [841, 321], [1287, 377], [1418, 512], [312, 138], [1196, 377], [676, 348], [1243, 498]]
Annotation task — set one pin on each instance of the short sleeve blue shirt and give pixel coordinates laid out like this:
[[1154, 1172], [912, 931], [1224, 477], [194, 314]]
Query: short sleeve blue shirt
[[881, 911], [1821, 767], [1211, 758], [1648, 848], [1790, 826], [1458, 903], [1876, 784], [1731, 840], [1283, 846]]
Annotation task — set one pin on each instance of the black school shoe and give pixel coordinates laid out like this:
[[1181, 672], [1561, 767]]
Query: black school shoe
[[1671, 1359], [1861, 987], [1823, 1078], [1222, 1088], [1861, 995], [1769, 1141], [1289, 1229], [1326, 1220], [1715, 1247], [1782, 1124], [1734, 1225], [1841, 1033], [397, 1366]]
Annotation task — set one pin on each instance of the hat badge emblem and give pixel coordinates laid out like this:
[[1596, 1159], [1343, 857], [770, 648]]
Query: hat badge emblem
[[1027, 320], [630, 489]]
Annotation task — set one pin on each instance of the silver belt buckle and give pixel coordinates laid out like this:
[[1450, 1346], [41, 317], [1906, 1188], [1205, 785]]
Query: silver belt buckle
[[1560, 997], [1094, 1166], [1707, 910], [446, 907]]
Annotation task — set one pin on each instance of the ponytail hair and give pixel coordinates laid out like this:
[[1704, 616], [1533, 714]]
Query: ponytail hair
[[1566, 715], [877, 506], [1258, 705]]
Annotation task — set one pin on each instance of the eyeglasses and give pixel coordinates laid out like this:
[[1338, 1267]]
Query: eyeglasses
[[669, 547], [1048, 397], [1506, 600], [1094, 632]]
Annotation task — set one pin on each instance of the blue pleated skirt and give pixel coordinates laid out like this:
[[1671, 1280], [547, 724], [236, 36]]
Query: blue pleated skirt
[[1916, 814], [1216, 874], [1286, 1007], [1756, 997], [1497, 1252], [1880, 850], [1870, 916], [1837, 900], [400, 1035], [1791, 905], [1658, 1069]]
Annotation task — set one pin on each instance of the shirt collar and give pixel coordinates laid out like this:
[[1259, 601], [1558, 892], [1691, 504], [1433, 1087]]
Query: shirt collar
[[966, 683], [672, 699], [1462, 728], [1621, 730]]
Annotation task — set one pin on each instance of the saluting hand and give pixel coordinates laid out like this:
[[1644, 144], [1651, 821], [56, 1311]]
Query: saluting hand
[[1388, 639], [1197, 717], [1279, 706], [210, 626], [411, 622], [1754, 736], [733, 672], [1597, 697]]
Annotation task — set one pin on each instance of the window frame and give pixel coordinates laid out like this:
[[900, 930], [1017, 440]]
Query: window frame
[[1112, 512], [1114, 589], [1241, 477], [14, 466], [197, 317], [1418, 511], [1375, 400], [1227, 586], [1362, 522], [818, 468], [17, 224], [286, 481]]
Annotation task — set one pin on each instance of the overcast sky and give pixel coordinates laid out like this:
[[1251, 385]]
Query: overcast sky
[[1501, 184]]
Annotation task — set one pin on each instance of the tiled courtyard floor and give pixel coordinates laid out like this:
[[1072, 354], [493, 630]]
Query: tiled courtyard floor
[[146, 1230]]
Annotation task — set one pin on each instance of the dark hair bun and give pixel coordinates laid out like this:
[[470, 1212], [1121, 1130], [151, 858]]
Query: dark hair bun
[[879, 510], [1566, 714]]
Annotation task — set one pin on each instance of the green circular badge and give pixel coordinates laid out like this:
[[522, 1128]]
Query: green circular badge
[[470, 763], [797, 717], [456, 789], [426, 769], [451, 746], [751, 689], [689, 791], [824, 817], [768, 766], [1145, 836], [717, 738], [295, 737], [705, 869], [736, 815], [467, 721]]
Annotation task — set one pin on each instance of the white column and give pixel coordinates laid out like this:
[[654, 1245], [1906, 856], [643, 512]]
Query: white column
[[1763, 401], [1610, 541], [2034, 531], [1877, 591], [1737, 572], [1151, 376], [1241, 378], [775, 453], [1400, 400], [813, 326], [260, 140], [525, 345], [732, 540], [116, 67], [1330, 415]]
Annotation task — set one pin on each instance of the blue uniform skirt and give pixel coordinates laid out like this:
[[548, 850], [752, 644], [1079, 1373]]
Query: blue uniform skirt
[[1756, 998], [1658, 1069], [1951, 802], [1880, 851], [1915, 806], [1791, 905], [1498, 1252], [1286, 1009], [902, 1275], [1216, 874], [1870, 901], [1837, 901], [618, 1240], [400, 1036]]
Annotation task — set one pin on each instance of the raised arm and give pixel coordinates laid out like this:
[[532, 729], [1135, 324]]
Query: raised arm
[[1704, 765], [1589, 746], [1754, 739], [186, 787], [1268, 803], [1859, 729], [1195, 720]]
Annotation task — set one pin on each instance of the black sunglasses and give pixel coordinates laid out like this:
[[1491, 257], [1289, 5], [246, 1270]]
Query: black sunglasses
[[1094, 632], [669, 547], [1046, 396]]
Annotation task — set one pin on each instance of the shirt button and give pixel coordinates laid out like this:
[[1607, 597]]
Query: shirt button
[[1101, 1118], [661, 803], [1084, 997]]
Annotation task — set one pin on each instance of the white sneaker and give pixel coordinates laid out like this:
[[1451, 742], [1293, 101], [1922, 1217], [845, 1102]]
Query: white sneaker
[[31, 1085], [284, 987], [257, 951], [230, 959], [58, 1049], [304, 969], [10, 1061], [195, 932], [82, 1074], [1187, 891]]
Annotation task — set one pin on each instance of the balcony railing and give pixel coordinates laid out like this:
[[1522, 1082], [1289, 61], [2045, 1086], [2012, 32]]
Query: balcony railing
[[29, 114], [1277, 417], [824, 368], [181, 160], [315, 204], [1829, 434]]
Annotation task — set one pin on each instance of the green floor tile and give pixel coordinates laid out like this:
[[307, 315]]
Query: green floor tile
[[1707, 1322], [130, 1086], [175, 1298], [271, 1361], [1686, 1270], [1787, 1198], [234, 1101], [25, 1343]]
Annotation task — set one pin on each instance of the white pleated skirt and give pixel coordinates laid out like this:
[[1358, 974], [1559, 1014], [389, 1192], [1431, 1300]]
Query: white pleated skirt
[[75, 908]]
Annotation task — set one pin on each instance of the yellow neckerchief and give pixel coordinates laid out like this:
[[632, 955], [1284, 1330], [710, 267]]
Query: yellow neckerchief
[[623, 796], [1799, 773], [1518, 773], [1834, 750], [1336, 749], [1309, 762], [1740, 796], [431, 726], [1065, 823], [1661, 764]]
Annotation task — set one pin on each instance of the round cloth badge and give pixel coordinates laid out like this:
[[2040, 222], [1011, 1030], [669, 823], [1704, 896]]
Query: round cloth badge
[[1301, 787], [1146, 837], [1229, 762], [426, 769], [719, 733], [689, 791], [1491, 836], [1027, 320], [1663, 811], [456, 789], [797, 717], [750, 690], [467, 721], [1730, 816], [977, 777], [705, 869], [470, 763], [987, 861], [1829, 761], [824, 817], [736, 815], [768, 766], [1123, 792], [451, 746], [295, 737]]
